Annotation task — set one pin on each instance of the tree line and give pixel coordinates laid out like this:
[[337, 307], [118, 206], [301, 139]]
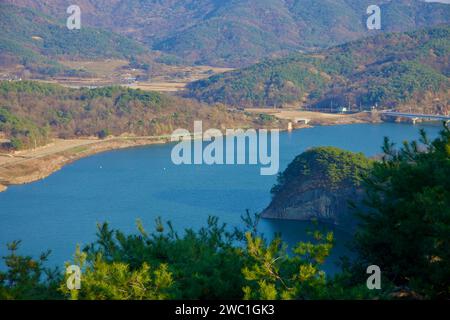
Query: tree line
[[31, 113]]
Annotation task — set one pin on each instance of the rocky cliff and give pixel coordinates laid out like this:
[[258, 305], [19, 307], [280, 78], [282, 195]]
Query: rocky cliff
[[319, 185]]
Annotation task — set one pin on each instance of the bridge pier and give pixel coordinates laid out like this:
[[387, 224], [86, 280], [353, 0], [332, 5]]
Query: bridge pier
[[289, 126]]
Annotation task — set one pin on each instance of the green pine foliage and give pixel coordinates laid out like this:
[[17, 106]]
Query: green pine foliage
[[116, 281], [407, 226], [271, 273], [211, 263], [204, 264], [27, 278], [22, 133], [337, 167]]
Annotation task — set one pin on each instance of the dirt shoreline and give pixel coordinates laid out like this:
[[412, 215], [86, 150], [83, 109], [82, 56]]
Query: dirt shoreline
[[30, 166]]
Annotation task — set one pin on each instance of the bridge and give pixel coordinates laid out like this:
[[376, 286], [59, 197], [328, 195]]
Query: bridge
[[416, 116]]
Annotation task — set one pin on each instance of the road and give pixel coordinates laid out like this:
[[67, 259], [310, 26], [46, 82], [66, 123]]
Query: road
[[60, 145], [57, 146]]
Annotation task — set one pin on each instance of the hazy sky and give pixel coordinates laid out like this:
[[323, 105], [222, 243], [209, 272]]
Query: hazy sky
[[442, 1]]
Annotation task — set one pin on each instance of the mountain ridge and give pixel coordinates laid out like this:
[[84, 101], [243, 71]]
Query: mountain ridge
[[37, 41], [392, 70], [239, 33]]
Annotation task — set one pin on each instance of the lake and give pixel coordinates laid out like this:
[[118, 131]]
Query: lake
[[142, 183]]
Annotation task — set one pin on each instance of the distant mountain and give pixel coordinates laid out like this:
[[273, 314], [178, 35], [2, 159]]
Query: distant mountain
[[240, 32], [36, 40], [395, 70]]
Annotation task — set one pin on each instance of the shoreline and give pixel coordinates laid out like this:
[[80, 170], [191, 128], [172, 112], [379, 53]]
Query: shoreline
[[23, 169], [31, 169]]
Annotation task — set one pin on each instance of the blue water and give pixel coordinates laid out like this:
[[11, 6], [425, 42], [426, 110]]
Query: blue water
[[142, 183]]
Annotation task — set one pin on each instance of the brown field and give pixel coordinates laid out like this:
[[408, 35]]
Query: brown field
[[159, 86], [113, 72], [163, 78], [102, 68]]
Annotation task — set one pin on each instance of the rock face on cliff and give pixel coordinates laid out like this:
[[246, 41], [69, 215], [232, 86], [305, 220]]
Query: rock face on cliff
[[318, 185]]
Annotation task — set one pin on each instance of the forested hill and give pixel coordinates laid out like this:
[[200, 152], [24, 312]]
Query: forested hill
[[31, 113], [390, 70], [36, 40], [241, 32], [318, 185]]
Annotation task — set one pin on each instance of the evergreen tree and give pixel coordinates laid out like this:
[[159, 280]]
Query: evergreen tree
[[406, 225]]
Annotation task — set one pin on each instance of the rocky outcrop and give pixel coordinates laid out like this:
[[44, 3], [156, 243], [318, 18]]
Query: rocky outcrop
[[319, 185]]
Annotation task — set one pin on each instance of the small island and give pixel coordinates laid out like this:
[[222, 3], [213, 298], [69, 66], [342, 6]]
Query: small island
[[318, 185]]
